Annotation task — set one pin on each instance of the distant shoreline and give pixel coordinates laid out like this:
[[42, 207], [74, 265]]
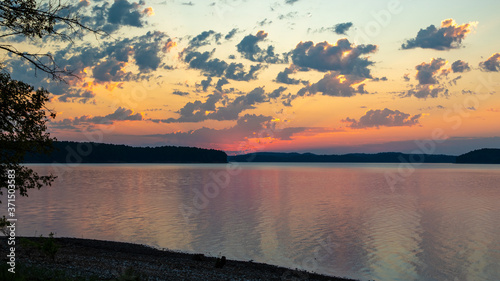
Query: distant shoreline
[[88, 259]]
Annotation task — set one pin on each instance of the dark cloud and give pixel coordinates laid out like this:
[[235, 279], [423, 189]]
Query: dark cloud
[[219, 107], [231, 34], [217, 67], [460, 66], [250, 49], [333, 84], [342, 56], [109, 70], [202, 61], [120, 114], [222, 81], [448, 36], [284, 76], [206, 83], [427, 72], [491, 64], [428, 76], [426, 91], [290, 2], [124, 13], [204, 38], [277, 93], [180, 93], [237, 72], [342, 28], [406, 77], [148, 51], [383, 118]]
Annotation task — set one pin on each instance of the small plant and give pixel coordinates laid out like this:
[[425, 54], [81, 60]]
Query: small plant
[[49, 246]]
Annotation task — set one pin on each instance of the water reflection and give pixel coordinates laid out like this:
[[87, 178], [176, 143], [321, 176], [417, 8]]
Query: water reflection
[[441, 223]]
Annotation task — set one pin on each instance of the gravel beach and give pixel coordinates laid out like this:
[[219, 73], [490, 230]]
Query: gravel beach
[[84, 259]]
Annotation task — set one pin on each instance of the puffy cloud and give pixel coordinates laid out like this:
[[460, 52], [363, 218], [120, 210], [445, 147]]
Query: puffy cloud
[[250, 50], [426, 91], [109, 70], [460, 66], [237, 72], [120, 114], [491, 64], [284, 76], [206, 83], [428, 76], [426, 72], [219, 107], [383, 118], [223, 81], [125, 13], [342, 28], [217, 67], [333, 84], [342, 56], [448, 36], [202, 61]]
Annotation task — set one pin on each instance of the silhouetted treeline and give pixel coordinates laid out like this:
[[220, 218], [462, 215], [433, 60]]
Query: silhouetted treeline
[[86, 152], [480, 156], [385, 157]]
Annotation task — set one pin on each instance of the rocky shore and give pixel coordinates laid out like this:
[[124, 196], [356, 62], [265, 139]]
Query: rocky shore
[[83, 259]]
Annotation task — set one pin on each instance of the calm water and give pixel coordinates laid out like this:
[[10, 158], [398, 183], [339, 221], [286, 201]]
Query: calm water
[[436, 222]]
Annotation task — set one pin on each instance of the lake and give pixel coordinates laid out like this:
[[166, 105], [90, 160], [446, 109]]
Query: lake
[[363, 221]]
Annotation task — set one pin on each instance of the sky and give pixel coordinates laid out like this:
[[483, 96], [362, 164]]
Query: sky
[[290, 75]]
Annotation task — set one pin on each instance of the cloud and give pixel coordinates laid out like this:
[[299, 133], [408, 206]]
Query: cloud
[[222, 81], [338, 85], [250, 49], [249, 126], [383, 118], [206, 83], [460, 66], [448, 36], [341, 56], [428, 76], [426, 72], [231, 34], [491, 64], [342, 28], [180, 93], [217, 67], [125, 13], [290, 2], [204, 38], [219, 107], [109, 70], [237, 72], [284, 76], [120, 114]]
